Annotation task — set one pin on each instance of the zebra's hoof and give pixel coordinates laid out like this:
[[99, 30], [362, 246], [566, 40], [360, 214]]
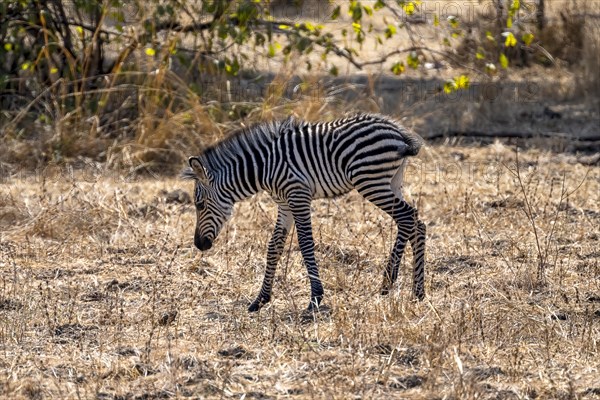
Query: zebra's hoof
[[313, 311], [315, 304], [419, 292], [257, 304], [254, 307]]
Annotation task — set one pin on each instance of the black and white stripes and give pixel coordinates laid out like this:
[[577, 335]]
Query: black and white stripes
[[299, 161]]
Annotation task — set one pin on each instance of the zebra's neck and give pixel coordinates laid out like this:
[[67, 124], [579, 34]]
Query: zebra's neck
[[240, 165], [233, 179]]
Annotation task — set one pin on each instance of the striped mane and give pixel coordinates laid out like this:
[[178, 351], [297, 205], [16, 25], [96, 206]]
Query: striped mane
[[246, 138]]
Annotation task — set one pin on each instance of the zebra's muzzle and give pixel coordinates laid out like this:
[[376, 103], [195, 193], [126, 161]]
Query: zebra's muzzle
[[202, 243]]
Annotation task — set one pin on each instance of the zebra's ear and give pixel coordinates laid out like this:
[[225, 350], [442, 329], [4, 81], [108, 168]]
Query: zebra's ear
[[198, 169]]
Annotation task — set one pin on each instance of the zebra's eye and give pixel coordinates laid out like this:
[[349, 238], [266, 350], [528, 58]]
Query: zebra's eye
[[201, 205]]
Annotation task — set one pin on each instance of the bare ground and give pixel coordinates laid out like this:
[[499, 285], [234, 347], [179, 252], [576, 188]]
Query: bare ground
[[102, 294]]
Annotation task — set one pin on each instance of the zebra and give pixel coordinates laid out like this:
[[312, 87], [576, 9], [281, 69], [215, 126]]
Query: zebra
[[297, 161]]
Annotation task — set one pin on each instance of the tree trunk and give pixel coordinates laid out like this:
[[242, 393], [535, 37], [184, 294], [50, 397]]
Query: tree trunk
[[540, 15]]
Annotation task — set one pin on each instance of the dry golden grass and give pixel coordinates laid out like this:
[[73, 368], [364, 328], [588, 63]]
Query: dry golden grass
[[102, 294], [149, 116]]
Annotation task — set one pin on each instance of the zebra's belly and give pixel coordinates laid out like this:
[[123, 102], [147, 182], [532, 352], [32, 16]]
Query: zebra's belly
[[330, 189]]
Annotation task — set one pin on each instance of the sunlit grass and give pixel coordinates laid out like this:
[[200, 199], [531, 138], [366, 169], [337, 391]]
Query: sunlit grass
[[103, 294]]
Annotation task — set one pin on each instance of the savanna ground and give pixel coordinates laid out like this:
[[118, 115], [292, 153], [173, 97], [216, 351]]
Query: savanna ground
[[104, 296]]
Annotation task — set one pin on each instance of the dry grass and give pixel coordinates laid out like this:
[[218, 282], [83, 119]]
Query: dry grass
[[151, 115], [102, 294]]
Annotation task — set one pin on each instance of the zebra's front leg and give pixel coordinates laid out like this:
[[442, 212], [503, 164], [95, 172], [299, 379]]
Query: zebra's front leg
[[300, 207], [275, 249]]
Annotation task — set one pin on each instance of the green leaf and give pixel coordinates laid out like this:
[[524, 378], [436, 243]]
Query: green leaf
[[457, 83], [368, 10], [232, 67], [409, 8], [390, 31], [489, 36], [335, 14], [8, 46], [355, 10], [479, 55], [259, 39], [514, 7], [453, 21], [503, 61], [436, 20], [222, 32], [53, 70], [462, 82], [509, 22], [413, 60], [333, 70], [25, 66], [449, 86], [398, 68], [527, 38], [379, 4], [304, 44], [511, 40], [150, 51]]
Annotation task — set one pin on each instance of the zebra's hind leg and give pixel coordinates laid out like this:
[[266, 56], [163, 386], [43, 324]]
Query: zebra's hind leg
[[405, 217], [275, 249], [389, 199], [417, 239], [417, 243]]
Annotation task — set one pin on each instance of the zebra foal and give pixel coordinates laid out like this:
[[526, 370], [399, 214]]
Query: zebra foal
[[295, 162]]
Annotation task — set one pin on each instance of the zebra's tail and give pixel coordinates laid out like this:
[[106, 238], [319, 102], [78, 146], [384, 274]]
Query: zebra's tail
[[413, 142]]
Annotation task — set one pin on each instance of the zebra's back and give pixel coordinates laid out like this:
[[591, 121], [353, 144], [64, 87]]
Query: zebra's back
[[334, 157]]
